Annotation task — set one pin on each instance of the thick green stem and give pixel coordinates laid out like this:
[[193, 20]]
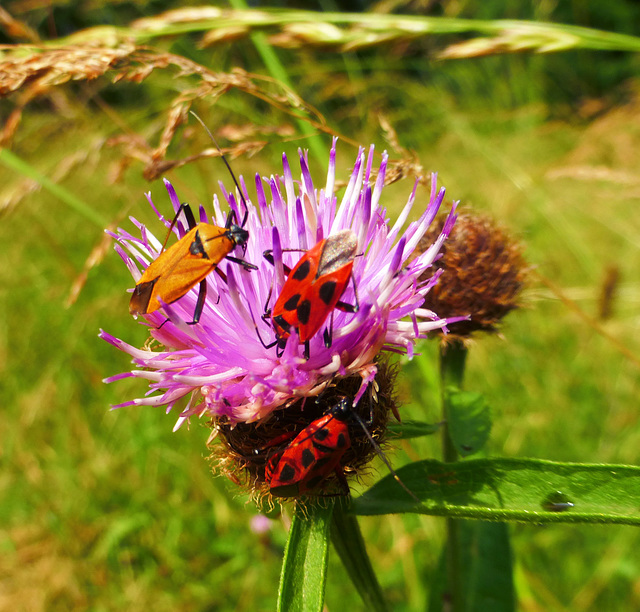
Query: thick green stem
[[306, 558], [452, 362]]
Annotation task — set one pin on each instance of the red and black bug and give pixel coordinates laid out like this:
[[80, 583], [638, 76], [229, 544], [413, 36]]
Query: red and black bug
[[188, 262], [316, 453], [312, 456], [313, 289]]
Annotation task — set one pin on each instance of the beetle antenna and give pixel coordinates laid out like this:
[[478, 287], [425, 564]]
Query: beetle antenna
[[382, 456], [226, 163]]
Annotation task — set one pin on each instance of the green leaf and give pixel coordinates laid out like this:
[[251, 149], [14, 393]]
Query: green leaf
[[348, 542], [468, 419], [524, 490], [413, 429], [486, 570], [304, 569]]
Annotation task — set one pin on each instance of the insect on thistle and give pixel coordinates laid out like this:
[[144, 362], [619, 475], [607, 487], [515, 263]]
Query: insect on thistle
[[313, 289], [316, 453], [188, 262]]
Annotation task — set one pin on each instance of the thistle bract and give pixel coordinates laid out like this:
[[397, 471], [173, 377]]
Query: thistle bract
[[221, 365]]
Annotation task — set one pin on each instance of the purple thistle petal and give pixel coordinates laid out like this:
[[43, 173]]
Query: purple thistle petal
[[288, 179], [331, 173], [367, 174], [221, 364]]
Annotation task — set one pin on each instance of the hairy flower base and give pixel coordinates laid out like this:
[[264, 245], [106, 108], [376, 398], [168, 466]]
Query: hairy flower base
[[241, 452]]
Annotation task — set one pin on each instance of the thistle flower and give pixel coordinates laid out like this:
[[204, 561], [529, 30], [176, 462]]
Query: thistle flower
[[221, 362], [485, 274]]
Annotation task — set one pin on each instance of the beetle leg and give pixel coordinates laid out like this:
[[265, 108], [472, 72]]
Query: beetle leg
[[328, 333], [342, 479], [268, 255], [221, 274], [350, 307], [245, 264], [191, 221], [202, 294]]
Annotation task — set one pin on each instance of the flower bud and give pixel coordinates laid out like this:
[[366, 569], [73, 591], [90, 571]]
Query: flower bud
[[484, 272]]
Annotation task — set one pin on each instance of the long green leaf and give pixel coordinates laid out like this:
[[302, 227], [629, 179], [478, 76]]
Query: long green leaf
[[304, 569], [351, 31], [524, 490], [348, 542], [486, 568]]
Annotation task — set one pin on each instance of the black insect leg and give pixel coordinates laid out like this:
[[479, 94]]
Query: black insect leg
[[191, 220], [202, 295], [328, 334], [350, 307], [342, 479], [245, 264]]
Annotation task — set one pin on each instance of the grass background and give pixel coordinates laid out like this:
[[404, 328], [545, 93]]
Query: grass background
[[105, 510]]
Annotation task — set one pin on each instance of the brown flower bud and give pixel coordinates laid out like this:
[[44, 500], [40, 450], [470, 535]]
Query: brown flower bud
[[484, 272]]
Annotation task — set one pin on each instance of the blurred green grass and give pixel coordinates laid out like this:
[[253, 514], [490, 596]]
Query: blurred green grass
[[106, 510]]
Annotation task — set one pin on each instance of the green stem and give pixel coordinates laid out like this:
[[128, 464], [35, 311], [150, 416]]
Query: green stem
[[278, 72], [306, 558], [452, 362]]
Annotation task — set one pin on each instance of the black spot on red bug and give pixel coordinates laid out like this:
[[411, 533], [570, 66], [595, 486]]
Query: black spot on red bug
[[341, 442], [327, 291], [322, 434], [307, 458], [287, 473], [303, 271], [304, 311], [292, 303]]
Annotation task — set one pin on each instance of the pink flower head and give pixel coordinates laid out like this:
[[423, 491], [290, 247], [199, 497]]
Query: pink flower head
[[221, 362]]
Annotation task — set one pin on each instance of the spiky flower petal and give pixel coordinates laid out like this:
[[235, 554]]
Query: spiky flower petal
[[220, 363]]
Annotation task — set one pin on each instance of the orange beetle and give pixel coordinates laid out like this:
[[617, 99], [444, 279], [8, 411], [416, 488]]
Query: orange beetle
[[192, 258], [187, 263]]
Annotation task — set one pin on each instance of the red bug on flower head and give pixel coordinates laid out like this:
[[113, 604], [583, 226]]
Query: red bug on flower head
[[313, 289], [316, 452], [313, 455], [190, 260]]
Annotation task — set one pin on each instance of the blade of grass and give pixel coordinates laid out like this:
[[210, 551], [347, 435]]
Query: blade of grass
[[278, 72], [352, 31], [13, 162]]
